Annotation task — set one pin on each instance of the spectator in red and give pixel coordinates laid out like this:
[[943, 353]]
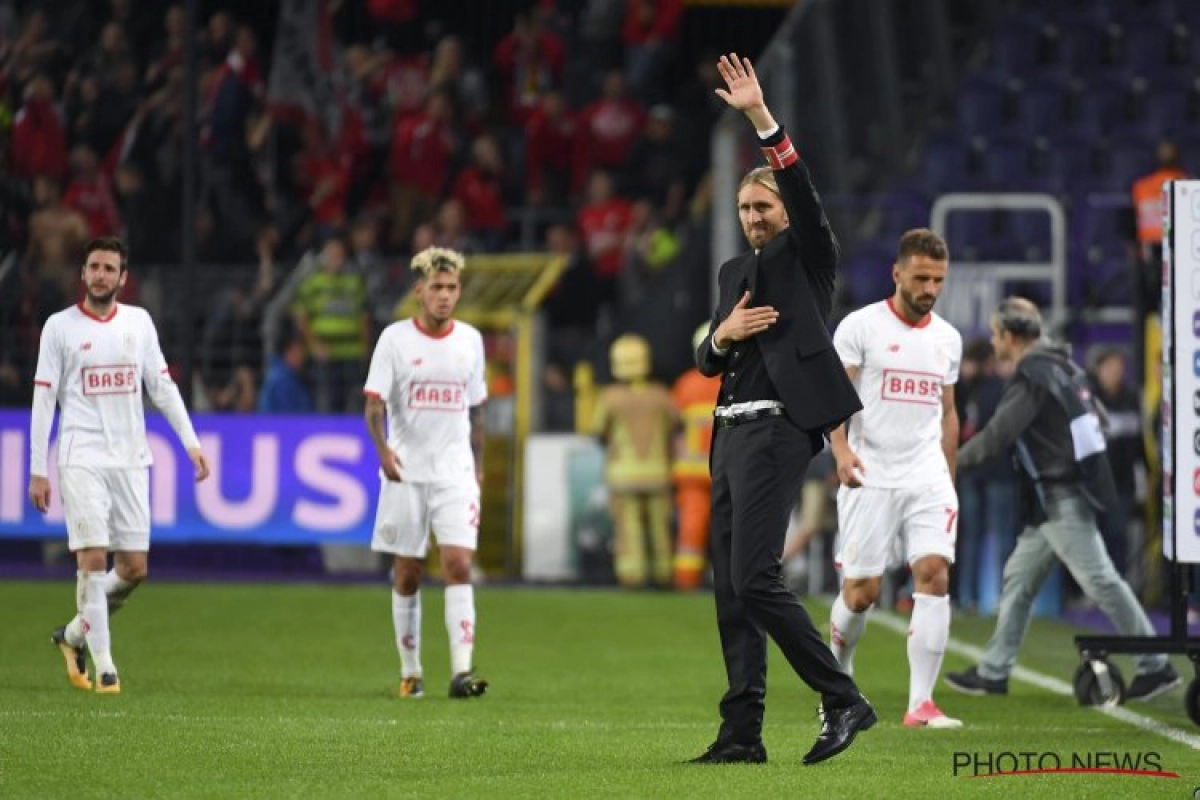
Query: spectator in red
[[611, 125], [531, 59], [39, 146], [419, 160], [604, 224], [90, 193], [406, 78], [480, 190], [324, 172], [651, 32], [551, 150]]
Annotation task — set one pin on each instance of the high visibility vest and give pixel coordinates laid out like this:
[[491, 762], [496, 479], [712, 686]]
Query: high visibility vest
[[1147, 203], [695, 398]]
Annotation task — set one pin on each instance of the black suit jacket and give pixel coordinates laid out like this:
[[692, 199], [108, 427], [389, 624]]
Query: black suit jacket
[[795, 274]]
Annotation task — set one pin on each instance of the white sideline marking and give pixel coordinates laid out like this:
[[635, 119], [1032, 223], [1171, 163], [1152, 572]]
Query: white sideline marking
[[899, 625]]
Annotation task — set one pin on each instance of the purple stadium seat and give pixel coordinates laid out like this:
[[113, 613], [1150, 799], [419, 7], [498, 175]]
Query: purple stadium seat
[[867, 270], [1071, 164], [1018, 45], [1081, 47], [1007, 164], [946, 166], [980, 106], [1030, 231], [1041, 108], [1128, 158]]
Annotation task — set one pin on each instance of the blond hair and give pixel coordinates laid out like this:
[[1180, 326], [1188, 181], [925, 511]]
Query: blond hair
[[437, 259], [763, 176]]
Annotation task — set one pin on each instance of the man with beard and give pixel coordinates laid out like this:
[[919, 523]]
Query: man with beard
[[426, 392], [95, 358], [781, 389], [895, 461]]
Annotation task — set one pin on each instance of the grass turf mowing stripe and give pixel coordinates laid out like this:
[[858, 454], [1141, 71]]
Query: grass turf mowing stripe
[[899, 625]]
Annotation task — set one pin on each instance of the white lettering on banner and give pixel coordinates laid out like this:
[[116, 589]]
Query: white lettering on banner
[[313, 468], [436, 396], [264, 486], [114, 379], [164, 504], [12, 492], [903, 386]]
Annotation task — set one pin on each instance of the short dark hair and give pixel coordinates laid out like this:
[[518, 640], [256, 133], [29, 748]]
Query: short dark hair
[[108, 244], [922, 242]]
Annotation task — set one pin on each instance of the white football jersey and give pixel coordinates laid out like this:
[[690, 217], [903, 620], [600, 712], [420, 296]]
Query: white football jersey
[[429, 383], [96, 369], [902, 371]]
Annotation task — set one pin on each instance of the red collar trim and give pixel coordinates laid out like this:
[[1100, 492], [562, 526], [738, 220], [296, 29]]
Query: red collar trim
[[90, 315], [430, 334], [924, 320]]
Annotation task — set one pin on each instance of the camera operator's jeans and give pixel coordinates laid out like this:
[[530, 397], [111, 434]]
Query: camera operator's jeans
[[1070, 534]]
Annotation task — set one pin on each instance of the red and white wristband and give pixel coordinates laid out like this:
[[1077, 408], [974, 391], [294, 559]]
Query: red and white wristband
[[780, 155]]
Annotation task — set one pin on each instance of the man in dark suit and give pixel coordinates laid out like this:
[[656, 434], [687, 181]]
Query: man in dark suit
[[782, 388]]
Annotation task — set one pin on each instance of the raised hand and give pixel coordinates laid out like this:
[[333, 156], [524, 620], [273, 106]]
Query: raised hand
[[743, 322], [742, 89]]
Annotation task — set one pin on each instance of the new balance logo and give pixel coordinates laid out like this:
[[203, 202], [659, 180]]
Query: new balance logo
[[893, 348], [85, 346], [416, 362]]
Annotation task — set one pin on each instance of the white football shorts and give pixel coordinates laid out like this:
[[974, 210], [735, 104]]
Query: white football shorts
[[408, 512], [881, 528], [107, 508]]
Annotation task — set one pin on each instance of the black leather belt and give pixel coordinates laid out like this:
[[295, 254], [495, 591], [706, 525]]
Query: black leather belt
[[733, 420]]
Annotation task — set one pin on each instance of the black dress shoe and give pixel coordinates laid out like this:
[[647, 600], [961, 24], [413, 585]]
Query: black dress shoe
[[839, 729], [732, 753]]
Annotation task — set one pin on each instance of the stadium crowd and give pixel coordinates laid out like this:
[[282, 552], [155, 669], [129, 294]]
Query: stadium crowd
[[481, 145]]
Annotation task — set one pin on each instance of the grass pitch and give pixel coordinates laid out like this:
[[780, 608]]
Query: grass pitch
[[288, 691]]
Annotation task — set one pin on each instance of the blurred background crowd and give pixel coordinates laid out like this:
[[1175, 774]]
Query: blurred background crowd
[[334, 139]]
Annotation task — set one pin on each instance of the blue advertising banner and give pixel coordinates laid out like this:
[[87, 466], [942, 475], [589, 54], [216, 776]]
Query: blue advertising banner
[[276, 480]]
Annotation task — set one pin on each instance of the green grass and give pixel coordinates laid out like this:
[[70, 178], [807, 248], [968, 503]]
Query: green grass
[[285, 691]]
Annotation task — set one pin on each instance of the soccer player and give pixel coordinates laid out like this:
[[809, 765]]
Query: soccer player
[[427, 373], [95, 357], [895, 461]]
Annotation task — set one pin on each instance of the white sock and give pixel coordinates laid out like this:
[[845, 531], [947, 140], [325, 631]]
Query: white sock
[[116, 589], [928, 631], [406, 617], [95, 621], [74, 630], [845, 628], [460, 625]]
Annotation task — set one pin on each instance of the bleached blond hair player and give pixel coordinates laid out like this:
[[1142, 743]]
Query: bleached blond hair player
[[425, 395], [95, 358], [895, 461]]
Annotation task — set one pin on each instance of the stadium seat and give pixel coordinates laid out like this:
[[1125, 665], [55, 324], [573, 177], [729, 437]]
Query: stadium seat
[[980, 106], [947, 166], [1069, 163], [1030, 231], [867, 270], [1020, 44], [1128, 157], [1041, 108], [1007, 163]]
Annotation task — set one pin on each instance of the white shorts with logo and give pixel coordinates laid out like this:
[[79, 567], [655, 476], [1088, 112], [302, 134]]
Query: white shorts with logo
[[107, 508], [408, 512], [882, 528]]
